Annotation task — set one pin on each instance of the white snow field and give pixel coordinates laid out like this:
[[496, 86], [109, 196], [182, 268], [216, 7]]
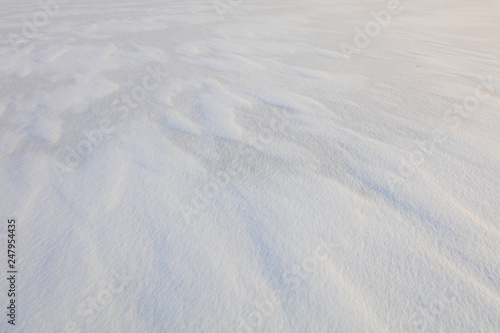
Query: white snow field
[[251, 166]]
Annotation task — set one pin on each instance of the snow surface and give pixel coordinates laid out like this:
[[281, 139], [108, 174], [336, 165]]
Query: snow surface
[[180, 166]]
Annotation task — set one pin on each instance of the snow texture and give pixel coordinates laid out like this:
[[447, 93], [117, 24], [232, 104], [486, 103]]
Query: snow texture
[[251, 166]]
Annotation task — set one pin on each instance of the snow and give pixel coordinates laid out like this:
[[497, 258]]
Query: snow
[[252, 166]]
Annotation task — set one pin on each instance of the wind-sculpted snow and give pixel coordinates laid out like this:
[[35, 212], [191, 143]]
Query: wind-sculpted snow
[[251, 166]]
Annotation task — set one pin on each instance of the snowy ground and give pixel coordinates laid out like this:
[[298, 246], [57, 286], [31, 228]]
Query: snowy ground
[[175, 166]]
